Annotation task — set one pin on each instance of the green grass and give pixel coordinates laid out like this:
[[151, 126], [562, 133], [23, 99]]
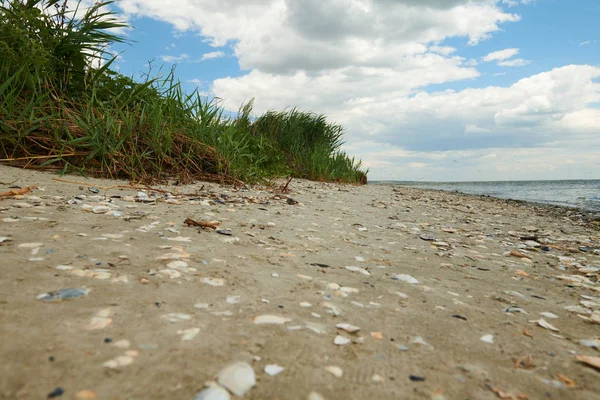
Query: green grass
[[58, 112]]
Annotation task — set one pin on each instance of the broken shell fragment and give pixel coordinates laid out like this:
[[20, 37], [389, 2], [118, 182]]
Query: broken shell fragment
[[405, 278], [348, 327], [213, 393], [273, 369], [335, 371], [270, 320], [589, 360], [545, 324], [341, 340], [61, 294], [238, 378]]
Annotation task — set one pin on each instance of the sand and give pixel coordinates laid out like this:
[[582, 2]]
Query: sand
[[152, 328]]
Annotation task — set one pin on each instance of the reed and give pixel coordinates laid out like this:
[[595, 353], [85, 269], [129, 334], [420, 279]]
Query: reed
[[63, 108]]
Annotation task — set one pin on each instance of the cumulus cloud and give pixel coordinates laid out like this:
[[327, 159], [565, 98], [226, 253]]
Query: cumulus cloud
[[174, 59], [285, 36], [517, 62], [501, 55], [212, 55]]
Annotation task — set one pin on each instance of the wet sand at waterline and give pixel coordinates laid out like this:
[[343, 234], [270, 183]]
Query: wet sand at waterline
[[325, 291]]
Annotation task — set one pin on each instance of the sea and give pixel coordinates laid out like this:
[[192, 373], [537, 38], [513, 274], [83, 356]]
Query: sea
[[582, 194]]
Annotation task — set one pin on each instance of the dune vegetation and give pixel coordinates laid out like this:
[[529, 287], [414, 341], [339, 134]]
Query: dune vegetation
[[63, 108]]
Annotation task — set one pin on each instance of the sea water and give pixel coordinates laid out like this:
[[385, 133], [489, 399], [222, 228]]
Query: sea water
[[584, 194]]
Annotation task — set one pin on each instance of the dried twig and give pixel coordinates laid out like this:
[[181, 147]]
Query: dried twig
[[16, 192], [202, 224], [285, 187]]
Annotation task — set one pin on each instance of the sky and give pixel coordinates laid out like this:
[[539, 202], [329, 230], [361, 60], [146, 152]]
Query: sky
[[427, 90]]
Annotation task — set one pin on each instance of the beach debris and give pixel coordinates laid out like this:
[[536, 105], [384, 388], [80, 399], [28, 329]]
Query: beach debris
[[314, 396], [237, 377], [405, 278], [420, 341], [348, 327], [176, 317], [376, 378], [56, 393], [226, 232], [566, 380], [489, 338], [188, 334], [202, 224], [416, 378], [524, 362], [545, 324], [18, 192], [341, 340], [120, 361], [589, 360], [335, 371], [122, 344], [321, 265], [100, 320], [270, 320], [85, 394], [213, 281], [213, 393], [427, 237], [273, 369], [69, 293], [593, 343], [376, 335], [548, 314], [359, 269]]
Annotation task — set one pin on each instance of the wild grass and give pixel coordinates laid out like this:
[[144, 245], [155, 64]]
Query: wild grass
[[63, 108]]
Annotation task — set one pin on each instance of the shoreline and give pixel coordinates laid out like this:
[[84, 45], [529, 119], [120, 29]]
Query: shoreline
[[589, 213], [354, 291]]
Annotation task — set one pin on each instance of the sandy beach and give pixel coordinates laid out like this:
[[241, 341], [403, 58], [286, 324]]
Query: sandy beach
[[322, 292]]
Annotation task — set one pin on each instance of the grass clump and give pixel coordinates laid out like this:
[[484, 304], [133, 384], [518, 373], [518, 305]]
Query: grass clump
[[63, 108]]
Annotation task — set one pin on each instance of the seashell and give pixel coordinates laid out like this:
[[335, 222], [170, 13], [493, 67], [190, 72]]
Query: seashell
[[269, 320], [273, 369], [238, 378], [341, 340], [348, 327], [213, 393], [405, 278]]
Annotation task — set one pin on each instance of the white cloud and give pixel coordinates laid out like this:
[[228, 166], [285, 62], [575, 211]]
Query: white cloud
[[501, 55], [175, 59], [284, 36], [587, 42], [212, 55], [443, 50], [517, 62]]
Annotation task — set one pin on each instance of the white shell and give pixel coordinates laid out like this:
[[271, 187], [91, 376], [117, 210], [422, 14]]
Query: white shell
[[189, 334], [359, 269], [270, 320], [348, 327], [545, 324], [214, 281], [406, 278], [238, 378], [335, 371], [487, 339], [213, 393], [341, 340], [273, 369]]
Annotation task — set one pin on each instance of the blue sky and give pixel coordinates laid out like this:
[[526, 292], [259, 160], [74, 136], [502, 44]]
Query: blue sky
[[426, 89]]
